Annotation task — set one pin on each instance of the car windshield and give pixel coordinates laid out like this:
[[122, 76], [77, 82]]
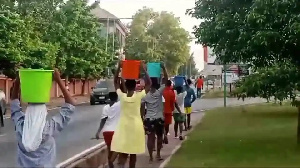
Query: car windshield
[[101, 84]]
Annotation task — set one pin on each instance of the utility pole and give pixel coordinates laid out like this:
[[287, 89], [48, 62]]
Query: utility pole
[[225, 85]]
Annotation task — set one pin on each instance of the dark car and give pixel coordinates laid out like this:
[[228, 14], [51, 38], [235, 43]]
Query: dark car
[[100, 93]]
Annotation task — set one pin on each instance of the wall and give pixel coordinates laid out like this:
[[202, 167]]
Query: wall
[[75, 87]]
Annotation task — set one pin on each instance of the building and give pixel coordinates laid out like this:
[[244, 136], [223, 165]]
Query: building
[[112, 25]]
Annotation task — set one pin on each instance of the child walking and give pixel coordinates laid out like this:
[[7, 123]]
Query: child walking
[[109, 121], [188, 101], [35, 134], [129, 136], [178, 116]]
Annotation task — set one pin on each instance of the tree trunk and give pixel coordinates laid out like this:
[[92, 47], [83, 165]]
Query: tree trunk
[[83, 87], [298, 126]]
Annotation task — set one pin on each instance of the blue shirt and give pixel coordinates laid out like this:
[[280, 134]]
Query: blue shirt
[[45, 155], [190, 97]]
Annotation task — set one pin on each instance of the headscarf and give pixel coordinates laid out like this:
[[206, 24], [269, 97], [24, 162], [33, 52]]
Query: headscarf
[[34, 123]]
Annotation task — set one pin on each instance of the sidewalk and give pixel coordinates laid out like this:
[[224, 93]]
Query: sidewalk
[[168, 149], [199, 106], [54, 103]]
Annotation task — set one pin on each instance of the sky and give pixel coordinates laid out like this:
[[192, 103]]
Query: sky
[[127, 8]]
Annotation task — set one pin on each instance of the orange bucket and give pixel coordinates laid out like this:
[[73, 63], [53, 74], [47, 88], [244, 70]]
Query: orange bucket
[[131, 69]]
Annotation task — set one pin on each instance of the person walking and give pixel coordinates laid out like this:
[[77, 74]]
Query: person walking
[[129, 135], [154, 118], [2, 107], [188, 101], [109, 121], [35, 134], [169, 101], [179, 117], [199, 84]]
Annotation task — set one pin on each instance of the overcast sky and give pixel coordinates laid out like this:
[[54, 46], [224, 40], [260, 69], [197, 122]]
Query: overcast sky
[[127, 8]]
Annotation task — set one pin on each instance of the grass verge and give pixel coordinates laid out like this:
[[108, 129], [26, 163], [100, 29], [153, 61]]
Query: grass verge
[[262, 136]]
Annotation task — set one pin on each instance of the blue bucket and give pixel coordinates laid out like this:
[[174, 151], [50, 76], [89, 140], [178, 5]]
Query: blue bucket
[[179, 80], [154, 69]]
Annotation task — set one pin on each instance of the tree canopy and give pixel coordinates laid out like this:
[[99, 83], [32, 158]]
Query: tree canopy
[[53, 33], [259, 32], [157, 36], [264, 34]]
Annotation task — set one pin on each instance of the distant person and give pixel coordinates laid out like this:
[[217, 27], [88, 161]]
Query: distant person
[[188, 101], [35, 134], [169, 107], [179, 117], [109, 121], [2, 107], [154, 117], [199, 84], [129, 135], [169, 100], [3, 102]]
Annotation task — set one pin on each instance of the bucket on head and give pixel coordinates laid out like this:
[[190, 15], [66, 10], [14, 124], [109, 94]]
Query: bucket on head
[[154, 69], [131, 69], [35, 85], [179, 80]]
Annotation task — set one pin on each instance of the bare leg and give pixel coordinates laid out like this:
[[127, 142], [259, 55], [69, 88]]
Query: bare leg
[[176, 128], [123, 159], [132, 161], [180, 131], [109, 158], [167, 127], [151, 144], [185, 125], [189, 121], [159, 146]]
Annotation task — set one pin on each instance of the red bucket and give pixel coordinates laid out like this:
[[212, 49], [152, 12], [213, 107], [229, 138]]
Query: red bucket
[[131, 69]]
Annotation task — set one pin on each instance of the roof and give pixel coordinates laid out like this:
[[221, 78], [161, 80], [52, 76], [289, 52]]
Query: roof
[[104, 14]]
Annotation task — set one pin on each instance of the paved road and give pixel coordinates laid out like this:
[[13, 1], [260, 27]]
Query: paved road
[[76, 137]]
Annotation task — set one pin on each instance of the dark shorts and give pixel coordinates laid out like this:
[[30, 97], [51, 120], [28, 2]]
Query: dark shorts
[[154, 126], [179, 117]]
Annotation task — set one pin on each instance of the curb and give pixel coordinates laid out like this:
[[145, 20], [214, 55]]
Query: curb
[[79, 156], [164, 164], [54, 108]]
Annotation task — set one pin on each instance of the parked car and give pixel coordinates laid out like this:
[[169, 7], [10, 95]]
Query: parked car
[[100, 93]]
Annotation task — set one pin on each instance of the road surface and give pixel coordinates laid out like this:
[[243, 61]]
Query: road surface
[[75, 138]]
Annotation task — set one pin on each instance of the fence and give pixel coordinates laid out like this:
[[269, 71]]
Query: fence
[[75, 87]]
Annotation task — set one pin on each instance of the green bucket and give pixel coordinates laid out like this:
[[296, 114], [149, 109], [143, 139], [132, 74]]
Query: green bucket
[[35, 85]]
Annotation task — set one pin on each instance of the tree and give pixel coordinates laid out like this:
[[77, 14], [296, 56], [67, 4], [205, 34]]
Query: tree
[[82, 50], [278, 82], [261, 33], [54, 33], [157, 37], [19, 47], [248, 31]]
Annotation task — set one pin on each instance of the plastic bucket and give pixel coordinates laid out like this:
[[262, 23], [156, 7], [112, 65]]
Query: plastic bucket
[[131, 69], [154, 69], [35, 85], [179, 80]]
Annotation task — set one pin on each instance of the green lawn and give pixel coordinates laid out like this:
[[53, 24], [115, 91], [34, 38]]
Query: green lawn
[[263, 136]]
